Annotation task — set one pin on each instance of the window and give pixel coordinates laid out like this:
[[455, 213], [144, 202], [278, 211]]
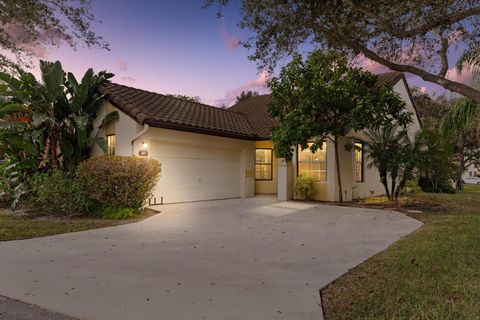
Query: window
[[358, 162], [263, 164], [313, 164], [111, 142]]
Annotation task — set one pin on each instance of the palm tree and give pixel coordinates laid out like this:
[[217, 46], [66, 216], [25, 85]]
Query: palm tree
[[465, 113], [394, 154]]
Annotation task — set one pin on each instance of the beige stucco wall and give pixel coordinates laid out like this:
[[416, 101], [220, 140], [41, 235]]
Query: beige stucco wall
[[125, 130], [267, 187]]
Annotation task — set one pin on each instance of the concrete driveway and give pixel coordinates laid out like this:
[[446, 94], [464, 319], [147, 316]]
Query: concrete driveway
[[230, 259]]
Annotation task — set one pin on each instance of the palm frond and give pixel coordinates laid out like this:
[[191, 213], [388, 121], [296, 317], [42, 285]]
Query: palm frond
[[470, 58], [463, 114]]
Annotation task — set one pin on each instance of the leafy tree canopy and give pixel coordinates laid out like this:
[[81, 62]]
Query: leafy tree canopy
[[322, 97], [184, 97], [29, 25], [246, 94], [412, 36]]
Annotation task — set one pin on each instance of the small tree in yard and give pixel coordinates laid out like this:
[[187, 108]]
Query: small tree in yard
[[323, 98], [394, 154]]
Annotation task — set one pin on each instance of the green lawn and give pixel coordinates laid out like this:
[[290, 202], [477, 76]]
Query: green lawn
[[15, 228], [433, 273]]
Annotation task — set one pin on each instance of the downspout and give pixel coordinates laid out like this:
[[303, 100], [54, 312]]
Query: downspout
[[141, 133]]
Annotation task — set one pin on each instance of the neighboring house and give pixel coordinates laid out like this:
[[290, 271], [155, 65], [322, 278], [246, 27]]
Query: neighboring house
[[471, 174], [212, 153]]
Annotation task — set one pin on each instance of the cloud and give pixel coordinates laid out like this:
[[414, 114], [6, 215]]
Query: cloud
[[231, 41], [464, 77], [258, 84], [369, 65], [36, 44], [122, 65], [128, 79]]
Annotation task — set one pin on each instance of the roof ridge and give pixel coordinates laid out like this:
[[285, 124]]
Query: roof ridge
[[173, 97]]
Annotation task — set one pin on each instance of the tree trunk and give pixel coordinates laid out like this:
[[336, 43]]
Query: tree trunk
[[394, 184], [337, 162], [384, 181], [461, 169]]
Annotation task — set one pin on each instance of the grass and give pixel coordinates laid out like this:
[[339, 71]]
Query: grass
[[16, 228], [433, 273]]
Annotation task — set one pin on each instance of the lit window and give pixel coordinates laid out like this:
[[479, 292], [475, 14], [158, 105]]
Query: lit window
[[111, 142], [358, 162], [313, 164], [263, 164]]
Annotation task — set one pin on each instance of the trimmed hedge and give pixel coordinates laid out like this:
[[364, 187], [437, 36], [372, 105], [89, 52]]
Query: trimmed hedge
[[118, 182]]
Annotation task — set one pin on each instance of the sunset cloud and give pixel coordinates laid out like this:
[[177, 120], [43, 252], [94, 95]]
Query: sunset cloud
[[464, 77], [258, 84], [128, 80], [37, 46], [231, 41], [122, 65], [369, 65]]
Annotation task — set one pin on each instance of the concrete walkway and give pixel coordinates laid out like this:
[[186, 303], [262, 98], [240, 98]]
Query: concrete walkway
[[231, 259]]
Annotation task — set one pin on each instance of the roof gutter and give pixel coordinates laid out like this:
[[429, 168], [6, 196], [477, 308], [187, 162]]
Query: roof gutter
[[138, 135]]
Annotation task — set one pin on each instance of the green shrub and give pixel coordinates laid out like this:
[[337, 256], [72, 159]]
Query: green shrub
[[115, 213], [412, 186], [430, 185], [58, 193], [118, 182], [304, 186]]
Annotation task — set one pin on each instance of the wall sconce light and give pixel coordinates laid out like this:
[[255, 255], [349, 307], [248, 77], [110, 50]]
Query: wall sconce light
[[144, 145]]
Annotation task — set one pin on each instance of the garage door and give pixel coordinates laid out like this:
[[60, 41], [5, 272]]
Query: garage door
[[191, 173]]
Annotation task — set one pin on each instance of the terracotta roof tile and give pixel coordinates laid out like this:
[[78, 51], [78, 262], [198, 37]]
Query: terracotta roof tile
[[170, 112]]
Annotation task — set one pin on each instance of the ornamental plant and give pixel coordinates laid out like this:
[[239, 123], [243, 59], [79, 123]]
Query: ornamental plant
[[118, 182]]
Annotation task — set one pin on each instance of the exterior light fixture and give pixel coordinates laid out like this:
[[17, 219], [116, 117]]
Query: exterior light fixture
[[144, 145]]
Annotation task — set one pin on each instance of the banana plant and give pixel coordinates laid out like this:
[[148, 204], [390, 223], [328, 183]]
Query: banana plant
[[62, 108]]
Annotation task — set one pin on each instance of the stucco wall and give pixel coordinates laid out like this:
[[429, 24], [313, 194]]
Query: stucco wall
[[402, 90], [125, 130]]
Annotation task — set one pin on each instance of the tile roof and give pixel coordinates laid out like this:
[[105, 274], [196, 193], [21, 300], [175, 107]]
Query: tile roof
[[389, 78], [247, 119], [255, 109], [159, 110]]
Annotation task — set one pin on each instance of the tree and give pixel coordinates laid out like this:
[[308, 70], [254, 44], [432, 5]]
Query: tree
[[323, 98], [460, 127], [408, 36], [436, 166], [184, 97], [245, 95], [394, 154], [58, 115], [431, 110], [28, 25]]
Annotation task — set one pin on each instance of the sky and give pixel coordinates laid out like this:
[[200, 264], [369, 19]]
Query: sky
[[177, 47]]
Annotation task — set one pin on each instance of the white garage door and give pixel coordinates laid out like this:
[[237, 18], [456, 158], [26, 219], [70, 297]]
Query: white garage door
[[191, 173]]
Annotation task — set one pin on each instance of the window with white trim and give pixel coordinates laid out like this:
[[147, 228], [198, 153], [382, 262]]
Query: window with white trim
[[313, 164]]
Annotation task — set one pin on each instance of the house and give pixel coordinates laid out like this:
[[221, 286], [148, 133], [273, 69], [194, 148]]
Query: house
[[472, 174], [212, 153]]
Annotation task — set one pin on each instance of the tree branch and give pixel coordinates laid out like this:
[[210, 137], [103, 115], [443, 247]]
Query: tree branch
[[420, 30], [443, 56], [454, 86]]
